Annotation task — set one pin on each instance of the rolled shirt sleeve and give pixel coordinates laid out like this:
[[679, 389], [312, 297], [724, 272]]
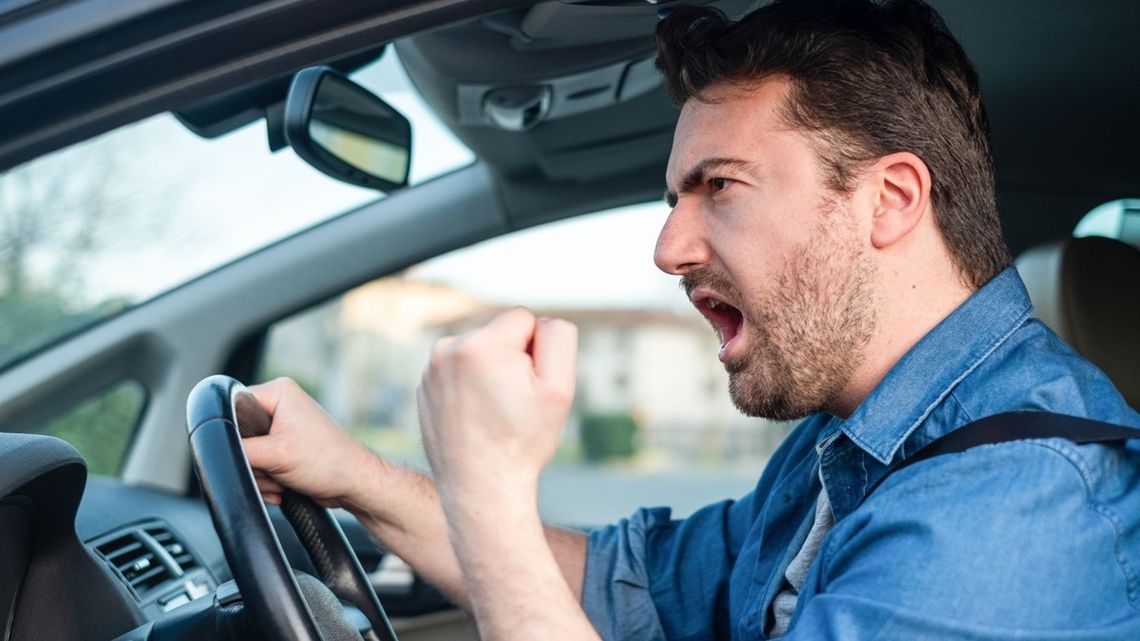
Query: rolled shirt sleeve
[[615, 592], [650, 578]]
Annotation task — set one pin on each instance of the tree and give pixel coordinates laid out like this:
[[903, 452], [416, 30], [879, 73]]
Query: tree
[[607, 436], [58, 214]]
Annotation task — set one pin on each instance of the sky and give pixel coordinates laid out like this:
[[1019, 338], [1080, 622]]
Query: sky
[[599, 260]]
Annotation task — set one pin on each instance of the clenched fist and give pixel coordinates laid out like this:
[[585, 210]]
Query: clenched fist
[[493, 403]]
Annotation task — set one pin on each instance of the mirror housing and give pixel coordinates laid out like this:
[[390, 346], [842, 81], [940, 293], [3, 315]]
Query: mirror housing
[[346, 131]]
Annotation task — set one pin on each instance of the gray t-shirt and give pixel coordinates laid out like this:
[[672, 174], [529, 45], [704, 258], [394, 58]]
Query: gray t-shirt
[[785, 603]]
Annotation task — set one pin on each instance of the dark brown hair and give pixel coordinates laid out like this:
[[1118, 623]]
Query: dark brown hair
[[867, 79]]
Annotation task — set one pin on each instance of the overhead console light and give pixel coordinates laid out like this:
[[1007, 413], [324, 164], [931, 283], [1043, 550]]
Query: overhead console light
[[516, 108], [520, 107]]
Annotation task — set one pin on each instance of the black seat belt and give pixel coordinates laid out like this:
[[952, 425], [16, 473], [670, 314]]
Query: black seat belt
[[1019, 426]]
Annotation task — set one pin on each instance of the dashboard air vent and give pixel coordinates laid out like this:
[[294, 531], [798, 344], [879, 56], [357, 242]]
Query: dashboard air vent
[[139, 566], [177, 551]]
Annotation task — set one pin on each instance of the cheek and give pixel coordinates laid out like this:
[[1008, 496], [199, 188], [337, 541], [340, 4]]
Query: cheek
[[752, 264], [753, 241]]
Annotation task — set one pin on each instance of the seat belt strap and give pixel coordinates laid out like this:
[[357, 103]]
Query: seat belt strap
[[1019, 426]]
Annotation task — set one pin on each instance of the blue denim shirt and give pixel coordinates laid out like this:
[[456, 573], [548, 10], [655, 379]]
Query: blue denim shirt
[[1022, 540]]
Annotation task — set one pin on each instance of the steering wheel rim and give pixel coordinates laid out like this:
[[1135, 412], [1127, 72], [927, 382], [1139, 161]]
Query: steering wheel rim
[[219, 412]]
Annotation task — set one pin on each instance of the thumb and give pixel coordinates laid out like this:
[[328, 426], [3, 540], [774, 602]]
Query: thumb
[[513, 328], [555, 352]]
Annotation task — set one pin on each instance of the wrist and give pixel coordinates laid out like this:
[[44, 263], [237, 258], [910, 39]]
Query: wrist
[[370, 477], [476, 508]]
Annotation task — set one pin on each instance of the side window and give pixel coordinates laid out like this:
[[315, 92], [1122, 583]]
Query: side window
[[101, 427], [652, 422]]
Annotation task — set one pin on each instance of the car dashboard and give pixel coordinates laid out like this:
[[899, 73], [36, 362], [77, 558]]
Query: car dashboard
[[161, 547], [93, 558]]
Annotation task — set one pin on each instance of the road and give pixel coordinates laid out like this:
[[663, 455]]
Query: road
[[586, 496]]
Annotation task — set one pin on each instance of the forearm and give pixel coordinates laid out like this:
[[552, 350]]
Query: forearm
[[401, 508], [513, 576]]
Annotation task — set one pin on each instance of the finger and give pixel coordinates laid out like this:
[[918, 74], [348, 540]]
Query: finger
[[555, 353], [513, 328], [271, 498], [266, 485], [269, 394], [262, 453]]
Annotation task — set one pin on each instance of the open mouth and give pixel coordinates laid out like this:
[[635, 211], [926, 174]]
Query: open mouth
[[725, 319]]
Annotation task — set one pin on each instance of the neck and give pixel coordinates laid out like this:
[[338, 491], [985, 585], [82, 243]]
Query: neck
[[910, 302]]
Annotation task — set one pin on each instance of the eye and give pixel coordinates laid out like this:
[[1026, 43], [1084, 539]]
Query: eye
[[717, 184]]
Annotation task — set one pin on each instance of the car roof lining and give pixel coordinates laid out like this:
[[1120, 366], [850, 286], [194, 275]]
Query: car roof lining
[[1057, 79]]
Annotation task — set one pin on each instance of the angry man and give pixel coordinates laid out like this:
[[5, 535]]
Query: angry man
[[833, 216]]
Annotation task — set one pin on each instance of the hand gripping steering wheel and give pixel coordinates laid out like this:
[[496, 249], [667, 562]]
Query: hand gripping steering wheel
[[218, 413]]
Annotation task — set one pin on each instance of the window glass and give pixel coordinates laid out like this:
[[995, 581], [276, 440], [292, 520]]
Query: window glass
[[94, 229], [101, 427], [652, 422]]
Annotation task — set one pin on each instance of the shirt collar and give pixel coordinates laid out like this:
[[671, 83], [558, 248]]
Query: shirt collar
[[929, 371]]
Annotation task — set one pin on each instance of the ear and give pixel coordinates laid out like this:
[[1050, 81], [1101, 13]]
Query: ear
[[901, 184]]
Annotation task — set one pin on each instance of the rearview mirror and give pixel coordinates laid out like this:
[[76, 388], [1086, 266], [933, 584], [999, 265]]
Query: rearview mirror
[[346, 131]]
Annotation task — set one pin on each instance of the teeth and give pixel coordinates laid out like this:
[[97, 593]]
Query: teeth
[[712, 304]]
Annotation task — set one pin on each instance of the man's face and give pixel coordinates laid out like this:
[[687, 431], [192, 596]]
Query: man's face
[[776, 262]]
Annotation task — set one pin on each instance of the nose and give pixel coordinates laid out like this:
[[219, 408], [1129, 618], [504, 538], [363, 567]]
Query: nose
[[681, 245]]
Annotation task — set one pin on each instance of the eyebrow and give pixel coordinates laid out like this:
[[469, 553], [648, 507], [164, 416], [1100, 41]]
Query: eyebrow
[[696, 176]]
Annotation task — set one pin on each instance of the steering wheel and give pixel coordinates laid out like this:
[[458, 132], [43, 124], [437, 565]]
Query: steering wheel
[[219, 412]]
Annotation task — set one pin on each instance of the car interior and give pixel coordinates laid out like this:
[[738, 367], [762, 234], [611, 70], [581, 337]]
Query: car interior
[[560, 111]]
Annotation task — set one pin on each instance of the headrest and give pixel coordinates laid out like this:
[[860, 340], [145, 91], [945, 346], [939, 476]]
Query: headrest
[[1088, 291]]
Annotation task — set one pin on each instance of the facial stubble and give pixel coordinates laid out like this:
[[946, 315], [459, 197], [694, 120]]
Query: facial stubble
[[808, 331]]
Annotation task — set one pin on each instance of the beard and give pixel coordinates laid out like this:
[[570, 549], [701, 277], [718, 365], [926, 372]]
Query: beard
[[808, 332]]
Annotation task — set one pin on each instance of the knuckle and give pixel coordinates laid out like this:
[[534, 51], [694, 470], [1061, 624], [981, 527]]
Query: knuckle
[[276, 451], [438, 350], [559, 393], [288, 446], [521, 312], [442, 350], [564, 326], [468, 348], [287, 383]]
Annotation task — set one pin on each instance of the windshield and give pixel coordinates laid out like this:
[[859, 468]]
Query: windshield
[[92, 230]]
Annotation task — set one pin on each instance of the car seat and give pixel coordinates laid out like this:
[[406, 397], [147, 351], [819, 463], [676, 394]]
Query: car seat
[[1088, 291]]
